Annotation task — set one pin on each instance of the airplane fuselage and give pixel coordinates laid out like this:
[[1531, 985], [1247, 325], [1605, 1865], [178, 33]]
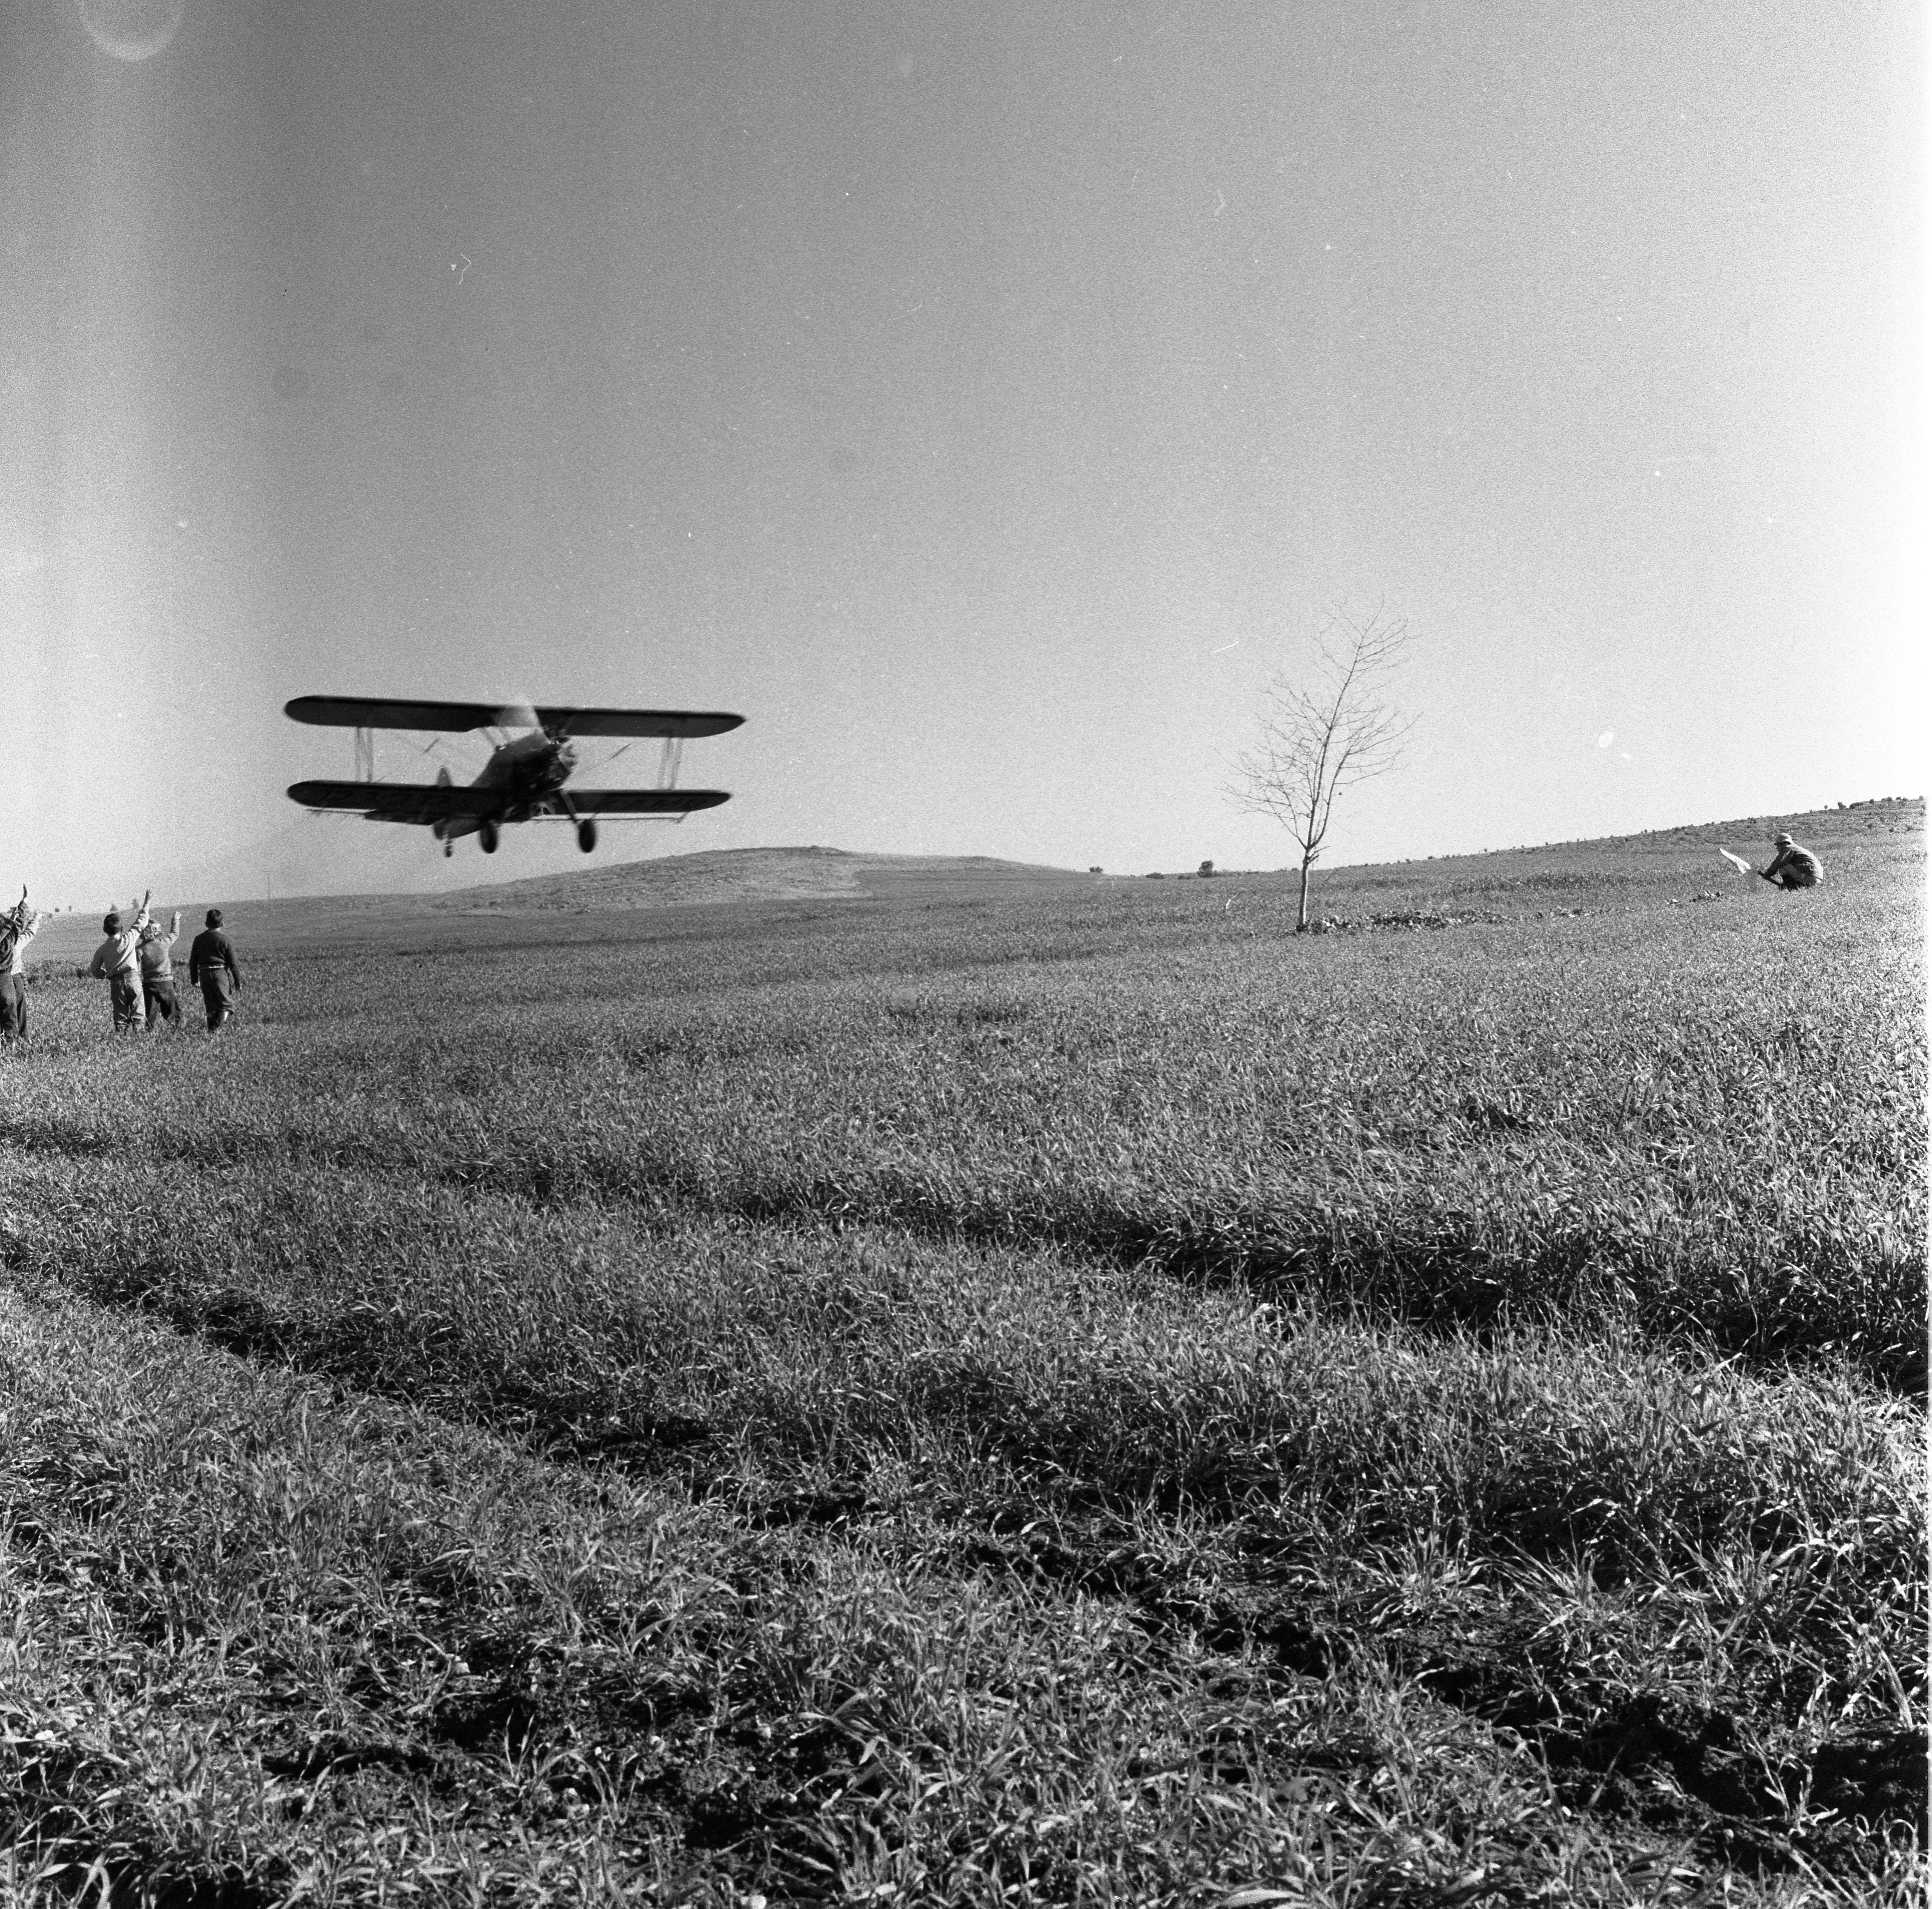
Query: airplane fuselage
[[528, 771]]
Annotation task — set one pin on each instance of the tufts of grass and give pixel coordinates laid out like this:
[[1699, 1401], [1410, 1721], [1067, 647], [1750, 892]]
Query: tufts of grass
[[1050, 1400], [1708, 1132], [287, 1643]]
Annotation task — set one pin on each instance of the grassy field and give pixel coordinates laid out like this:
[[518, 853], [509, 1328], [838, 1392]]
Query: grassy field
[[998, 1392]]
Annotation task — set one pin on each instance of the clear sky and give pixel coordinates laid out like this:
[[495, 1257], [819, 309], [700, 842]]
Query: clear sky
[[983, 398]]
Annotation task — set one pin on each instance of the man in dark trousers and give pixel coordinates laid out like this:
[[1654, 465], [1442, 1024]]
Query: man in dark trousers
[[1793, 867], [212, 966], [158, 971]]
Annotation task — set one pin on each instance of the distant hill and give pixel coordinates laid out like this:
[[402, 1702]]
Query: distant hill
[[1861, 844], [777, 874]]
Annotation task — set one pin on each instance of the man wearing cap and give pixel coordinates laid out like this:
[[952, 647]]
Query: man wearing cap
[[212, 966], [18, 926], [157, 972], [1793, 867], [118, 959]]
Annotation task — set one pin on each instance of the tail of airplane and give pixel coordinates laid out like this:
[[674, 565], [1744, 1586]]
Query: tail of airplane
[[443, 777]]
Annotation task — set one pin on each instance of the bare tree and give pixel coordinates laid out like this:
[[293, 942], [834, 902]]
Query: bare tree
[[1324, 733]]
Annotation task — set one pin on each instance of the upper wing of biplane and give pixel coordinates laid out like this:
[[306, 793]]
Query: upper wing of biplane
[[560, 718], [442, 801]]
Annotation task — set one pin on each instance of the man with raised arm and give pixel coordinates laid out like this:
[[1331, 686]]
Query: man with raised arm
[[212, 966], [117, 959], [157, 972], [18, 926]]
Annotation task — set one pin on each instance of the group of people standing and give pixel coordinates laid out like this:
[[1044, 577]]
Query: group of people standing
[[136, 960]]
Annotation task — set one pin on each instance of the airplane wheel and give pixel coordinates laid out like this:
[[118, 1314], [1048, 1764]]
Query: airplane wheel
[[448, 849], [587, 835], [487, 836]]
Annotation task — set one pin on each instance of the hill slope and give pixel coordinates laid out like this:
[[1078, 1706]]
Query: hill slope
[[1859, 843], [1677, 864], [773, 874]]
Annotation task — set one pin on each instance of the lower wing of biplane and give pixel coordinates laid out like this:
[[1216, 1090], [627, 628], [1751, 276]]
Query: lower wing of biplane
[[527, 776]]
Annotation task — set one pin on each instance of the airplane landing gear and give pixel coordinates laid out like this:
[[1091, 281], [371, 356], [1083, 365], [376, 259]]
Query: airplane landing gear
[[448, 847], [587, 835], [487, 836]]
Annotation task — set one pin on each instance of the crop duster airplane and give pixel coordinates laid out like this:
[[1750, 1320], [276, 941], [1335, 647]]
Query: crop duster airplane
[[526, 776]]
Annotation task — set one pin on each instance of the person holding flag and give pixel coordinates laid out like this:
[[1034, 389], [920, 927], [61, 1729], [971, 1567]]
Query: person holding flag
[[1791, 868]]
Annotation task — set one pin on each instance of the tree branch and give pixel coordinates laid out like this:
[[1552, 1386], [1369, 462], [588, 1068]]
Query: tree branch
[[1318, 737]]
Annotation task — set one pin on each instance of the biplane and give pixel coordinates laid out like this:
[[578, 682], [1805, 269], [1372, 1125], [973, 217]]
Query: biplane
[[526, 779]]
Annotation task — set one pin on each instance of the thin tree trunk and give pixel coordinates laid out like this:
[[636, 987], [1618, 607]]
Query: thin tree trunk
[[1301, 926]]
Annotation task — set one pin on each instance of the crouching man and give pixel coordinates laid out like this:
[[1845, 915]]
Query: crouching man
[[118, 959], [212, 965], [1793, 867]]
